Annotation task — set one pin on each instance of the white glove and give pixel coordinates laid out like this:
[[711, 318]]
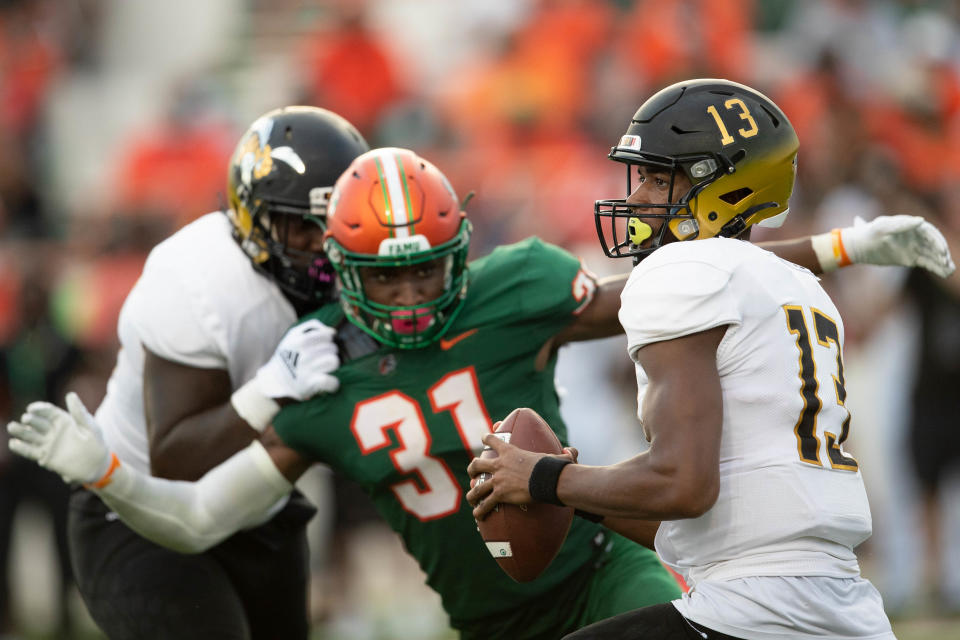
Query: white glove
[[66, 443], [301, 365], [901, 240], [300, 368]]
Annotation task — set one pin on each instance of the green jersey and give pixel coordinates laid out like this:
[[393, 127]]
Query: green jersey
[[405, 423]]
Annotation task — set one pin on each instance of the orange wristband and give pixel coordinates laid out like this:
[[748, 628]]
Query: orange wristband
[[106, 478], [839, 252]]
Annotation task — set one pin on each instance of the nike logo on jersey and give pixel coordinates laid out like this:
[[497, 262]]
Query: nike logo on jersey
[[447, 344]]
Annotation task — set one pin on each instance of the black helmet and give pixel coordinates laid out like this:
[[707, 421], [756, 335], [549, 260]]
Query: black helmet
[[733, 143], [280, 176]]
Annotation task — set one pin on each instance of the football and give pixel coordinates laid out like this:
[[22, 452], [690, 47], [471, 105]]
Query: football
[[524, 539]]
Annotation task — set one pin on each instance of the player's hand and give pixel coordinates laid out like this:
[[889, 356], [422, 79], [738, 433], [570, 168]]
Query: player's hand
[[302, 364], [66, 443], [908, 241], [505, 478]]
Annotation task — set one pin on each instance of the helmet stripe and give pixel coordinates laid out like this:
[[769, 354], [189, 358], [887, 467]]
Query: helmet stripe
[[406, 198], [387, 210], [399, 204]]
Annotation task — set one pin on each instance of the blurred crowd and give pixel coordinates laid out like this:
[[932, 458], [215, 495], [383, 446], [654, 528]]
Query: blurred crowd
[[117, 119]]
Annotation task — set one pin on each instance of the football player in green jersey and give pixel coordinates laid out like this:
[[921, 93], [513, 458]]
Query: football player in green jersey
[[432, 352]]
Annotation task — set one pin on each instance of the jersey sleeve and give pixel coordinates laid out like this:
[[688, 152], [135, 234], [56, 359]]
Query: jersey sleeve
[[667, 299], [172, 321], [301, 426], [533, 283]]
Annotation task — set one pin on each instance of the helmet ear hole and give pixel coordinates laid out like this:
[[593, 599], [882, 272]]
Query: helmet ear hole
[[735, 196]]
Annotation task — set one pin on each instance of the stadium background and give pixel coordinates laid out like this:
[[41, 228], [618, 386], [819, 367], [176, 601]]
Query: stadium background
[[117, 119]]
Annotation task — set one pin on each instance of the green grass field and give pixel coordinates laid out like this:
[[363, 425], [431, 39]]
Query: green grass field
[[927, 629]]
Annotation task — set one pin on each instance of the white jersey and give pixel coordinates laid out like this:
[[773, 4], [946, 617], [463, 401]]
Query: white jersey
[[791, 501], [198, 302]]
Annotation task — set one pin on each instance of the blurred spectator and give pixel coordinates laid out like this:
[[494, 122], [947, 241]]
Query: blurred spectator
[[30, 59], [35, 363], [902, 407], [540, 82], [661, 46], [348, 70], [830, 122], [21, 214], [171, 172], [670, 40], [933, 441]]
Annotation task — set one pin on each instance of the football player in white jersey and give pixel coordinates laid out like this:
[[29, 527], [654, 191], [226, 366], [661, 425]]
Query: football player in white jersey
[[197, 515], [191, 387], [741, 384]]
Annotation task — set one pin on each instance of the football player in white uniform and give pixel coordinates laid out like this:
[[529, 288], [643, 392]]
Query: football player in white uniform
[[193, 516], [741, 383], [191, 387]]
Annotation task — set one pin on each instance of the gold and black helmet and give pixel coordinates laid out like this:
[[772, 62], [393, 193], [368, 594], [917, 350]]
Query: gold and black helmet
[[279, 180], [734, 144]]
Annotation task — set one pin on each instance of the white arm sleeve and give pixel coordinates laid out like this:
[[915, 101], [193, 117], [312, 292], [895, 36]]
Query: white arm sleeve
[[191, 517]]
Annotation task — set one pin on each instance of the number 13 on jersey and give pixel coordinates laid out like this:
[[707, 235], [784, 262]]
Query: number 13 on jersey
[[806, 429]]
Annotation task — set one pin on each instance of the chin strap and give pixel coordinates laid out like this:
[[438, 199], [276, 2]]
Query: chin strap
[[733, 228], [738, 224]]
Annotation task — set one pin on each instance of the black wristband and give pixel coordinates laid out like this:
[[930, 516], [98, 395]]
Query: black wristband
[[544, 478], [586, 515]]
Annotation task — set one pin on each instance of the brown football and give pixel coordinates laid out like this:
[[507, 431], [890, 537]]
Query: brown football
[[524, 539]]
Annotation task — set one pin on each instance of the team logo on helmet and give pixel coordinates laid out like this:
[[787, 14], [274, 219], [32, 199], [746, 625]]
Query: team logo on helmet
[[258, 156]]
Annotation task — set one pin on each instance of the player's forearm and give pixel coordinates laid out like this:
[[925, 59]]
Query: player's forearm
[[198, 443], [637, 488], [191, 423], [642, 532], [798, 251], [191, 517], [600, 319]]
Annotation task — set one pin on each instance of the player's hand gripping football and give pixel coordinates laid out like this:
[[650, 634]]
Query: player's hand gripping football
[[302, 363], [908, 241], [66, 443], [505, 477]]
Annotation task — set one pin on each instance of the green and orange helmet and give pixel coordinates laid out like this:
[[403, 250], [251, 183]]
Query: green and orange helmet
[[392, 208], [735, 145]]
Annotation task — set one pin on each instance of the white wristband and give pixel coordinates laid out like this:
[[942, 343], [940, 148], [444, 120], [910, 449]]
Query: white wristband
[[830, 250], [254, 407]]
